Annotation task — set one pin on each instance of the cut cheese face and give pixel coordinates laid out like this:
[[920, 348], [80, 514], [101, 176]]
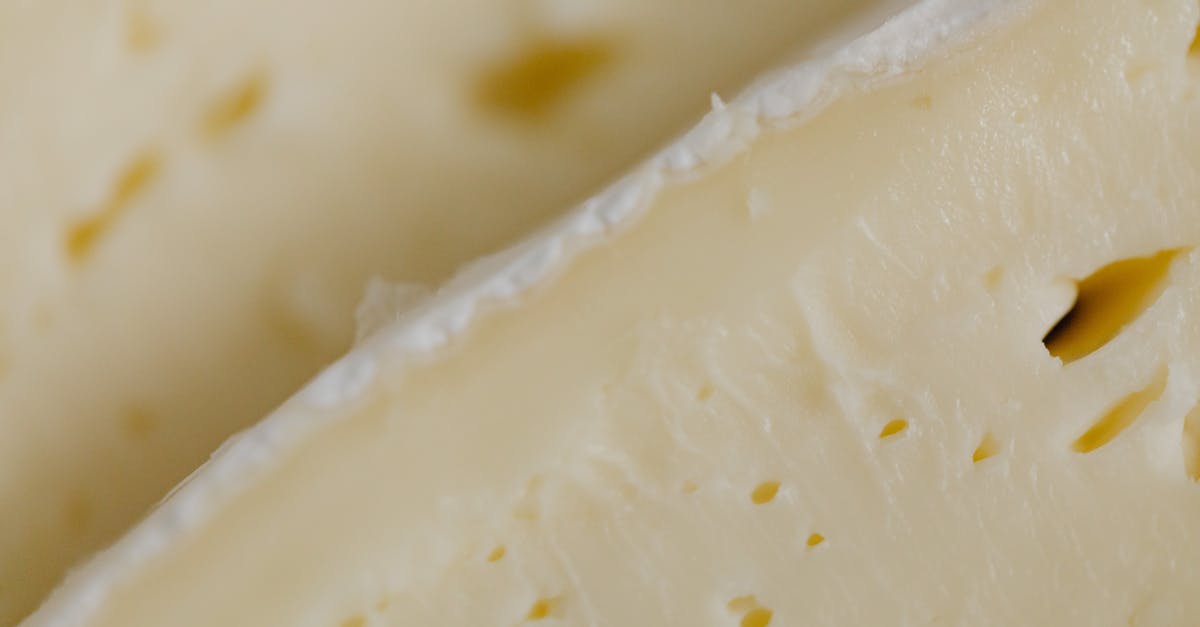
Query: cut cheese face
[[899, 338], [195, 193]]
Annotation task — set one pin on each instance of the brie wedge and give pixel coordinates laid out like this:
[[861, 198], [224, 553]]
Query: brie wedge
[[909, 335]]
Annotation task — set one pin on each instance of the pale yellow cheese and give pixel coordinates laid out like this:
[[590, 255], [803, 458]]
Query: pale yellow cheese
[[815, 383], [193, 195]]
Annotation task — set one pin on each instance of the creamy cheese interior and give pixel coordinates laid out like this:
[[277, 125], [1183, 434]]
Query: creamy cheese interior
[[929, 358], [193, 195]]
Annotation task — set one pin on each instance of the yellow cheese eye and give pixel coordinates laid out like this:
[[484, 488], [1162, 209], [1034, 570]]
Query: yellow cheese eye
[[893, 427], [533, 82], [497, 554], [757, 617], [987, 447], [1120, 416], [132, 181], [543, 608], [764, 492], [234, 107], [1107, 301], [355, 621]]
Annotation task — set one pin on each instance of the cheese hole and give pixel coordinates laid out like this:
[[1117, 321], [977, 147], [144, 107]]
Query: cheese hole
[[705, 392], [1191, 443], [814, 539], [757, 617], [892, 428], [988, 447], [543, 608], [1120, 416], [81, 239], [497, 554], [533, 82], [1107, 301], [993, 278], [689, 487], [924, 103], [234, 107], [764, 492], [743, 604], [358, 620], [1194, 48], [142, 33]]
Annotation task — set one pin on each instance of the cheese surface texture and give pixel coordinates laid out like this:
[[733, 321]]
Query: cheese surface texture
[[903, 337], [193, 195]]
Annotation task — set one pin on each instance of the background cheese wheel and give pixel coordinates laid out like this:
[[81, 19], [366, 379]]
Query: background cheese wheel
[[194, 193]]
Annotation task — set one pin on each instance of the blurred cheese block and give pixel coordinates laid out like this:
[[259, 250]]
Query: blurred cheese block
[[193, 195], [909, 335]]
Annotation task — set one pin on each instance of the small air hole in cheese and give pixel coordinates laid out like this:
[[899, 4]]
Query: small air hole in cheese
[[142, 33], [1191, 443], [988, 447], [1120, 416], [814, 539], [893, 427], [993, 278], [81, 239], [689, 487], [234, 107], [358, 620], [542, 608], [497, 554], [705, 392], [533, 82], [764, 492], [743, 604], [924, 103], [1108, 300], [757, 617]]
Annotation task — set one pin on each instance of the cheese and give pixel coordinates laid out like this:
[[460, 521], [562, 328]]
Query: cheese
[[193, 195], [903, 336]]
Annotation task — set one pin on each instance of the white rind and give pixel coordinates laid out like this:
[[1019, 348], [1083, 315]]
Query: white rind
[[790, 96]]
